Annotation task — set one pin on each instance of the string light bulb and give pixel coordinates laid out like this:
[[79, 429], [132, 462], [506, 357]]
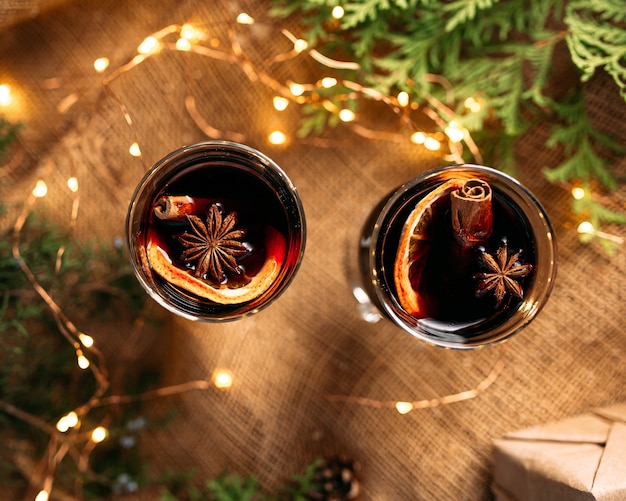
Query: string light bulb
[[134, 150], [86, 340], [300, 45], [70, 420], [296, 89], [277, 137], [338, 12], [72, 184], [418, 138], [578, 193], [5, 95], [346, 115], [430, 143], [42, 495], [222, 378], [404, 407], [403, 99], [183, 44], [101, 64], [99, 434], [41, 189], [244, 18], [473, 105], [454, 132], [328, 82], [149, 45], [82, 361], [280, 103]]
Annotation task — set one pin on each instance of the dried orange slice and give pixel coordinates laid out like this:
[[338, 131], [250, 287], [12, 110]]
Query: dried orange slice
[[276, 249], [409, 264]]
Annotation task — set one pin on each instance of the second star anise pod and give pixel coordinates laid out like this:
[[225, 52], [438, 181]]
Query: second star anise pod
[[213, 246], [503, 275]]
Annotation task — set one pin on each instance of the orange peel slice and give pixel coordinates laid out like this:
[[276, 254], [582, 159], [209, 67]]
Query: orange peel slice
[[414, 246], [276, 246]]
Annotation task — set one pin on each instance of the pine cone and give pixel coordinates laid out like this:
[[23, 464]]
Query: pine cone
[[335, 479]]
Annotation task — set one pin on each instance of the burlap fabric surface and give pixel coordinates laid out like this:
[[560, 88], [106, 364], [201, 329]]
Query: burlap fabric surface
[[311, 343]]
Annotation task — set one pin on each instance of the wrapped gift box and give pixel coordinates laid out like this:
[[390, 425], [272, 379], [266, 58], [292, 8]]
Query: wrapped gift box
[[580, 458]]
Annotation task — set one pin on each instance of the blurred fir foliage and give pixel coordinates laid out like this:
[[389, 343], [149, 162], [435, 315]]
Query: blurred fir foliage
[[501, 52]]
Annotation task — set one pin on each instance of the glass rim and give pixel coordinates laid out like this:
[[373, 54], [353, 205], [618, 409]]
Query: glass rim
[[250, 158], [420, 328]]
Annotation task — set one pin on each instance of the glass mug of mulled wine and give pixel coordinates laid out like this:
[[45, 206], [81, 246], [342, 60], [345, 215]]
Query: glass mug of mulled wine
[[215, 231], [460, 257]]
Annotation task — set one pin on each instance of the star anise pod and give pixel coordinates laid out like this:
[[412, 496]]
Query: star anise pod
[[213, 246], [504, 271]]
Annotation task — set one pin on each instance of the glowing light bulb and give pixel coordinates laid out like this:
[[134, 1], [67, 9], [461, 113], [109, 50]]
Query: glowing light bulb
[[338, 12], [473, 105], [296, 89], [86, 340], [586, 227], [277, 137], [149, 46], [101, 64], [190, 32], [404, 407], [454, 132], [70, 420], [403, 98], [134, 150], [328, 82], [183, 44], [222, 378], [99, 434], [244, 18], [578, 193], [42, 495], [72, 184], [41, 189], [280, 103], [300, 45], [83, 362], [430, 143], [346, 115], [418, 138], [5, 95]]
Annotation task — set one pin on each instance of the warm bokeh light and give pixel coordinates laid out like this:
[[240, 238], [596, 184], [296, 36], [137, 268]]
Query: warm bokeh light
[[70, 420], [578, 193], [454, 132], [430, 143], [473, 105], [328, 82], [5, 95], [300, 45], [86, 340], [150, 45], [280, 103], [101, 64], [404, 407], [277, 137], [418, 137], [83, 362], [244, 18], [134, 150], [222, 378], [403, 99], [346, 115], [42, 495], [296, 89], [41, 189], [338, 12], [183, 44], [586, 227], [99, 434], [72, 184]]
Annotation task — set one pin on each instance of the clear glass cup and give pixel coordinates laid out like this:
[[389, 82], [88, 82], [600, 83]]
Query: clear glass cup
[[447, 272], [215, 231]]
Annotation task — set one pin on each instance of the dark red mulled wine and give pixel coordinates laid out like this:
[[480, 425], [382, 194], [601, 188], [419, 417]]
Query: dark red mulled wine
[[460, 257], [216, 231]]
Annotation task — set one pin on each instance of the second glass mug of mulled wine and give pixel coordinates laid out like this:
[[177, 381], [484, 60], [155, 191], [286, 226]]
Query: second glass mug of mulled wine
[[460, 257], [216, 231]]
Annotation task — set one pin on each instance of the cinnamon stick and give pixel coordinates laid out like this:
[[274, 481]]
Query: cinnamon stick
[[472, 216]]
